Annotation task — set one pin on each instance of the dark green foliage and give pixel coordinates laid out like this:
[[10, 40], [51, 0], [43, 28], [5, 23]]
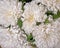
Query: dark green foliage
[[46, 21], [56, 16], [30, 38], [19, 23], [25, 1], [49, 13]]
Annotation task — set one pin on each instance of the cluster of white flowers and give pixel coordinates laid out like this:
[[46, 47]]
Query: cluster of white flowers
[[38, 18]]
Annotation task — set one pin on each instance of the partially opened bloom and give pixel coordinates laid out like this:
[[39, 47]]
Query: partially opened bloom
[[31, 15]]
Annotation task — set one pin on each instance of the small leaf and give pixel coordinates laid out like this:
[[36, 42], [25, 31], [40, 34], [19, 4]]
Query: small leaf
[[46, 21], [19, 23], [30, 38], [49, 13], [56, 16]]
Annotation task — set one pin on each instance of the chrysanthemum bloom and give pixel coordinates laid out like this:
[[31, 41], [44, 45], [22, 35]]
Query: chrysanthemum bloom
[[32, 14], [50, 4], [10, 38], [47, 36], [10, 10]]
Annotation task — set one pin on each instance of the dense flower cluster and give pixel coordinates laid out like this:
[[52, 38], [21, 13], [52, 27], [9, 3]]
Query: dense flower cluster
[[29, 23]]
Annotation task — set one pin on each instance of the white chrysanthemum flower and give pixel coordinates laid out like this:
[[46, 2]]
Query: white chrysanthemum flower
[[10, 10], [8, 39], [12, 38], [47, 36], [50, 4], [32, 14]]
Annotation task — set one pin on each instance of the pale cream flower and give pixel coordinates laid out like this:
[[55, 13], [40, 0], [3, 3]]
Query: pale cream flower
[[8, 39], [31, 15], [47, 36], [10, 10]]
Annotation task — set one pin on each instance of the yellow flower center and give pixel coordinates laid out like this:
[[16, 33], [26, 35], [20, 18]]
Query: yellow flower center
[[9, 13], [30, 19]]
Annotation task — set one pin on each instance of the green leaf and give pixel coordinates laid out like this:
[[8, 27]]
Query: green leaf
[[46, 21], [49, 13], [19, 23], [30, 38], [56, 16]]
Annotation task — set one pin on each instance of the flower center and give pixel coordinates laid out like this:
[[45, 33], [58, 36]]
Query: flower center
[[30, 19], [9, 13]]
